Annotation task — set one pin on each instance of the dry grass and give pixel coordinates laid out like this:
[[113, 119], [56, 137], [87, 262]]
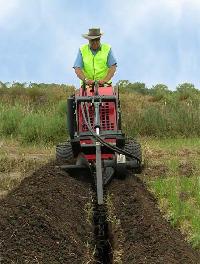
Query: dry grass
[[17, 162], [115, 228]]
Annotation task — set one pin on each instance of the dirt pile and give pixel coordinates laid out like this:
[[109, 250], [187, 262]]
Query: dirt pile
[[43, 220], [148, 238]]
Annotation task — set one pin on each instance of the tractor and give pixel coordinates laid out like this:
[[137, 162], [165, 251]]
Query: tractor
[[97, 144]]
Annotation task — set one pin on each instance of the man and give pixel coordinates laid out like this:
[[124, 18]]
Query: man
[[95, 61]]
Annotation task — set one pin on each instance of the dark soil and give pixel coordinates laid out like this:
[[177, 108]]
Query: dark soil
[[43, 220], [148, 238]]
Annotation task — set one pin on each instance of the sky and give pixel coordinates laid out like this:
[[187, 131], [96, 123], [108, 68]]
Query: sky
[[153, 41]]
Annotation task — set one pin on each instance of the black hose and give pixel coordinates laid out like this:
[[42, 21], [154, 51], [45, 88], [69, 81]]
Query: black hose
[[99, 139]]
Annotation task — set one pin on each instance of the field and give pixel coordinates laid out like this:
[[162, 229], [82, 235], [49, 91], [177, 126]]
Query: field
[[48, 217]]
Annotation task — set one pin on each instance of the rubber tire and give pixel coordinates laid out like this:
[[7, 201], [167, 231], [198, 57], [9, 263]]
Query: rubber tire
[[64, 152], [134, 148]]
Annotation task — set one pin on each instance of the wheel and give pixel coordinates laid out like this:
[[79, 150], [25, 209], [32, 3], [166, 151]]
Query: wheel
[[134, 148], [64, 152]]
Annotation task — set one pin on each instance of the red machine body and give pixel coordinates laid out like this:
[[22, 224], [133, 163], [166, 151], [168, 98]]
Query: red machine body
[[108, 119], [96, 140]]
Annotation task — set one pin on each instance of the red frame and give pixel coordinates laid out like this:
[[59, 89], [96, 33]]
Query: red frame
[[108, 117]]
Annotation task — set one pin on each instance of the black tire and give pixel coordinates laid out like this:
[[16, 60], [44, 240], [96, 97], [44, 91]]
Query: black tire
[[133, 147], [64, 152]]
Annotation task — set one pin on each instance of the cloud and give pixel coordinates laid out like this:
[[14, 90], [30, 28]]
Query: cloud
[[153, 40]]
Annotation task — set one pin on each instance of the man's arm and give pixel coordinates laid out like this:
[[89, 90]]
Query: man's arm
[[110, 74], [80, 73], [78, 65], [81, 76], [112, 65]]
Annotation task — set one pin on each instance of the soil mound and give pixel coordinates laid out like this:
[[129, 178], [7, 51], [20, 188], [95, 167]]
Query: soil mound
[[148, 238], [43, 220]]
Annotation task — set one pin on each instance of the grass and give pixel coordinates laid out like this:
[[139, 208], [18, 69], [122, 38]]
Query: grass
[[144, 117], [115, 228], [10, 119], [90, 247], [179, 200], [38, 127], [172, 174], [178, 189], [38, 114], [33, 120], [29, 125], [17, 161], [192, 143]]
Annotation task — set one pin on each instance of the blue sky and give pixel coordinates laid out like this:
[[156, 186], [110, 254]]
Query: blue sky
[[154, 41]]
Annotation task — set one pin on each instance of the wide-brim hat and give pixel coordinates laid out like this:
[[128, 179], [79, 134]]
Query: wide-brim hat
[[93, 33]]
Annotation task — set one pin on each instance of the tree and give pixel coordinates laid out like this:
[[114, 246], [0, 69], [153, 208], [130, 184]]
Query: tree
[[136, 87], [186, 90], [159, 91]]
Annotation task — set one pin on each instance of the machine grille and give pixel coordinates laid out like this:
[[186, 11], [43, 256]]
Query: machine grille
[[106, 117], [106, 123]]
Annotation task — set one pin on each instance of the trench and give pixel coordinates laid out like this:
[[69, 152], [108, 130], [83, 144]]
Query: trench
[[102, 235]]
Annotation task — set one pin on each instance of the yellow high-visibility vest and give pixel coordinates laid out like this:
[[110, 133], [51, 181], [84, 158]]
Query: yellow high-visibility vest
[[95, 66]]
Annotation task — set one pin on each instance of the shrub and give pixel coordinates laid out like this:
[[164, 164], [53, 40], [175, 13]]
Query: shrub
[[153, 122], [10, 120], [186, 90], [38, 127]]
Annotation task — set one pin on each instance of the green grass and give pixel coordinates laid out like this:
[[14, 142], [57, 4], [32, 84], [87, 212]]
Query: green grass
[[179, 200], [33, 125], [171, 144], [31, 114], [10, 118], [169, 128], [38, 127], [178, 191]]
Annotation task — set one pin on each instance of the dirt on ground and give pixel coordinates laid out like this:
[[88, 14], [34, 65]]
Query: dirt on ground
[[148, 237], [44, 220]]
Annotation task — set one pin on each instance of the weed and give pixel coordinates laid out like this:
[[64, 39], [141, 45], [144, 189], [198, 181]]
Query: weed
[[116, 228]]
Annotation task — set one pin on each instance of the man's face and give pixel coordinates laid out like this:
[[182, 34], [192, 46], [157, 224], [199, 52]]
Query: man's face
[[94, 43]]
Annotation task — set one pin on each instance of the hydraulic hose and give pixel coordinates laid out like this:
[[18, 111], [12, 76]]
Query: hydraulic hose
[[114, 148]]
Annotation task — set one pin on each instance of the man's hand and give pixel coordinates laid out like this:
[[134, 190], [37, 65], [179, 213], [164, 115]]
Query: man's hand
[[101, 82], [89, 82]]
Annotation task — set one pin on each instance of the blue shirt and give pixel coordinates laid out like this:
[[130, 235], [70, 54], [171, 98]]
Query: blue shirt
[[79, 59]]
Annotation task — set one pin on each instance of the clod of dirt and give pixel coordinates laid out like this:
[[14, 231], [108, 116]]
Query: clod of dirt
[[148, 237], [184, 196], [43, 220], [156, 170], [185, 152], [186, 168]]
